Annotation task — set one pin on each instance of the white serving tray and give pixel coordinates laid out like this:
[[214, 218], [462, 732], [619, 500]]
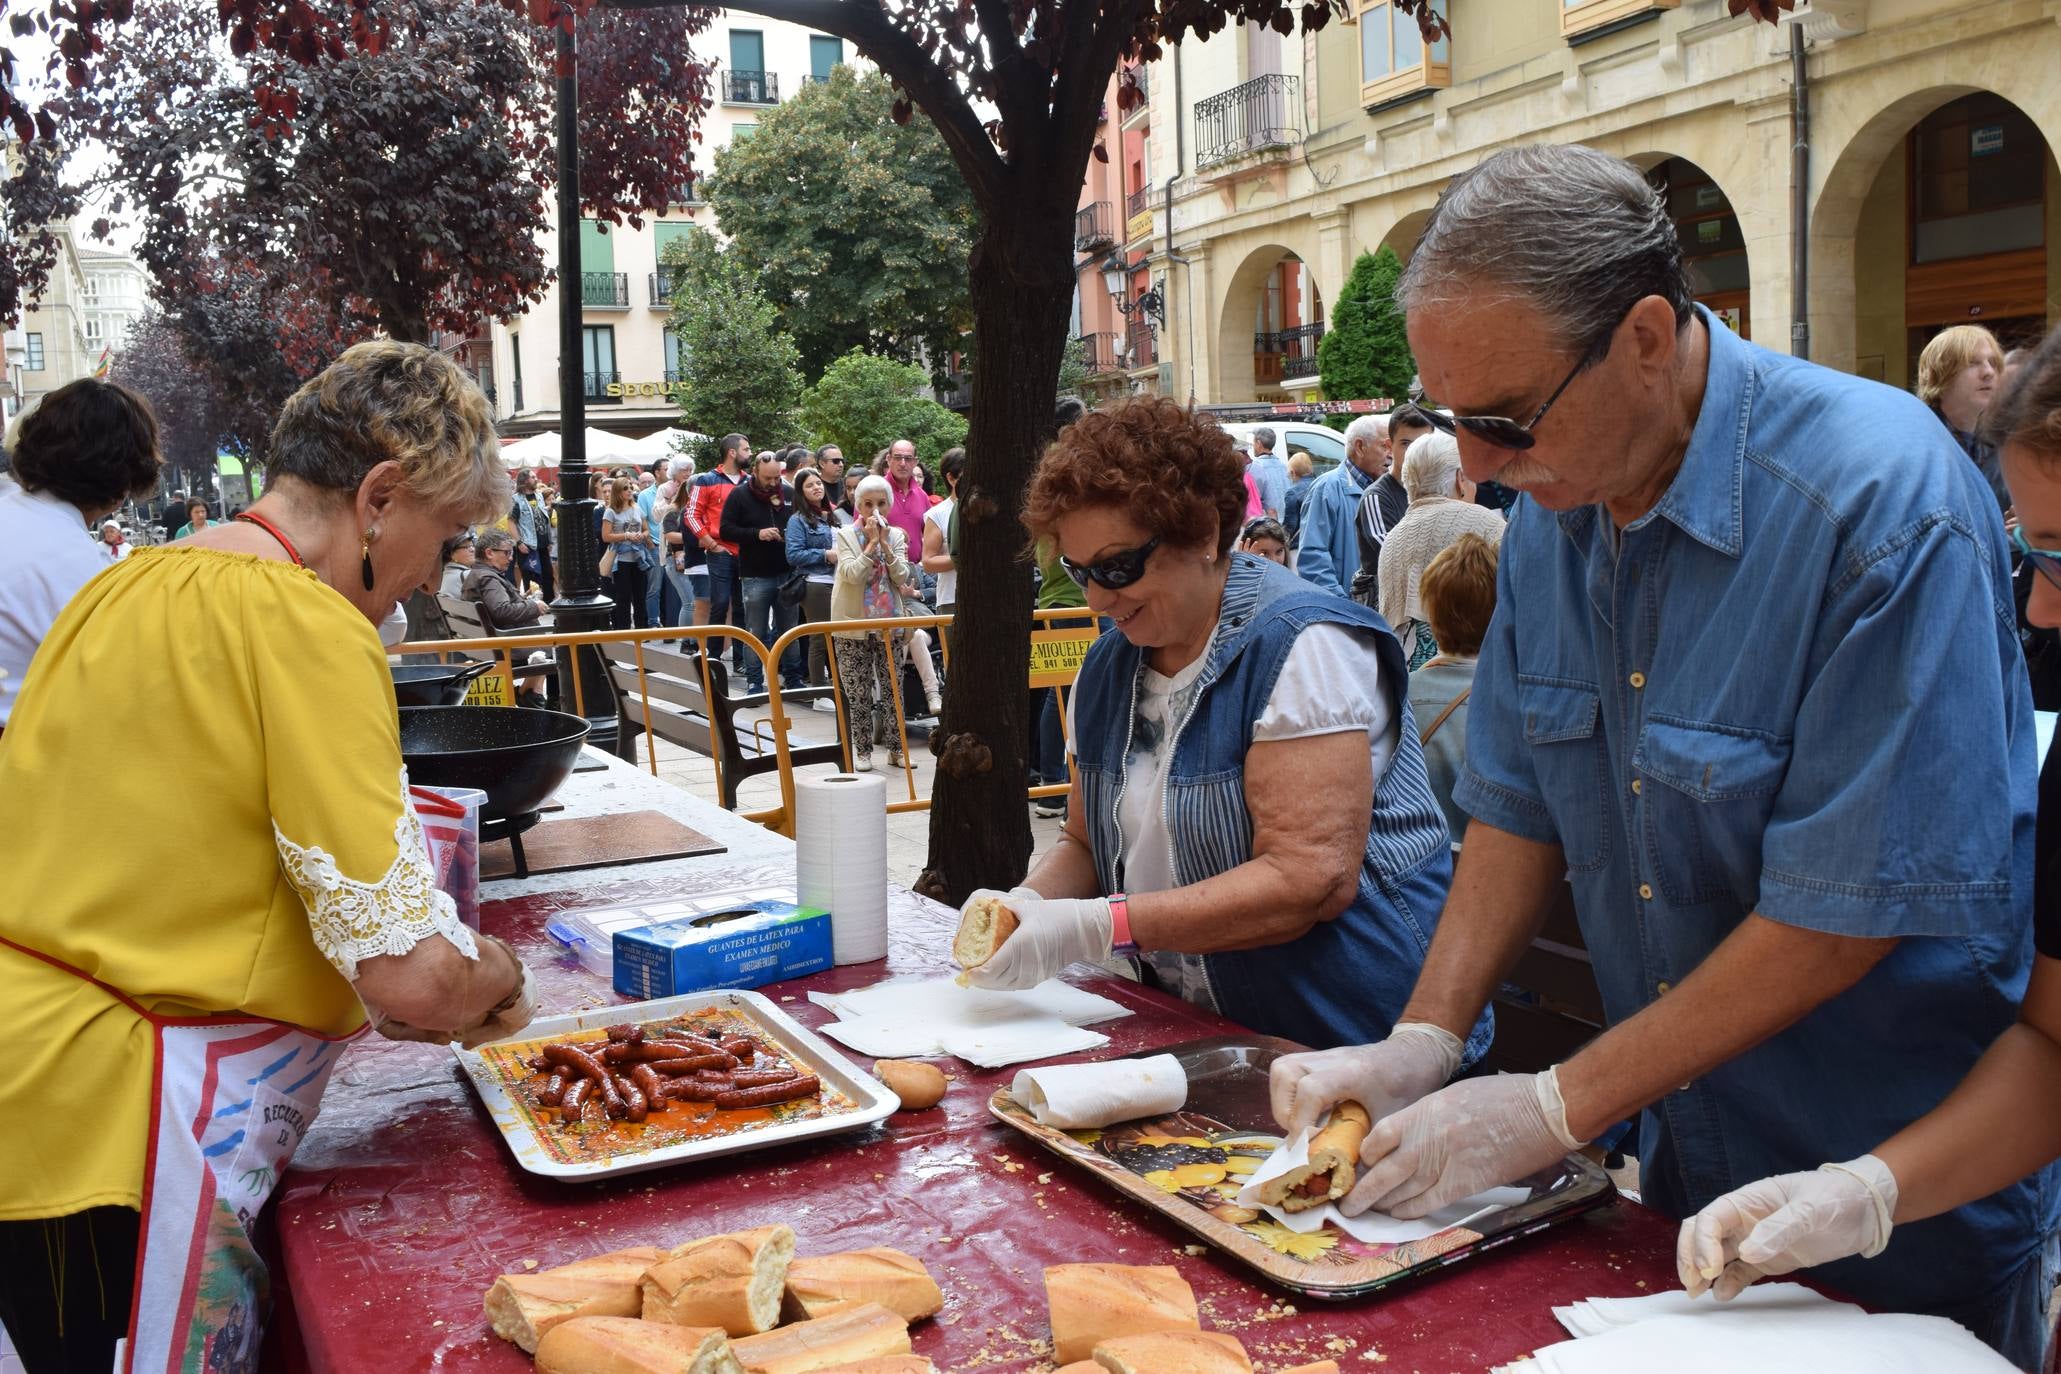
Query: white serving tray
[[872, 1100]]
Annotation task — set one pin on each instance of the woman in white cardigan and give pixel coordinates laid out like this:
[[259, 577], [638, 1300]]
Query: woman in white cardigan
[[873, 582]]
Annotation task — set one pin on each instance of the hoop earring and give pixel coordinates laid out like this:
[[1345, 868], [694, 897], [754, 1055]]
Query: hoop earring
[[365, 560]]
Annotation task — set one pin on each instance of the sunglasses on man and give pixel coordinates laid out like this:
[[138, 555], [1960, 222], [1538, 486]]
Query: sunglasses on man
[[1508, 433], [1115, 572]]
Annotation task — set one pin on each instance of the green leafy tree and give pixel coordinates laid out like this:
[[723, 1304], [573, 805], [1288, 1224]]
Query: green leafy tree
[[864, 402], [858, 227], [1365, 354], [737, 365]]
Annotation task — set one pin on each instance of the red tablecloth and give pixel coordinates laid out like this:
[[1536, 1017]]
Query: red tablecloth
[[403, 1204]]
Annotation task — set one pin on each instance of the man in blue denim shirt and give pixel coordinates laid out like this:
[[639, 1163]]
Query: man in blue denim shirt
[[1752, 687]]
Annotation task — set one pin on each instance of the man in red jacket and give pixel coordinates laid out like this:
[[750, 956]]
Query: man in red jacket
[[703, 515]]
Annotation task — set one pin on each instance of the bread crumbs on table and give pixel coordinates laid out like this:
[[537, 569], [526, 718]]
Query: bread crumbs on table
[[1044, 1178]]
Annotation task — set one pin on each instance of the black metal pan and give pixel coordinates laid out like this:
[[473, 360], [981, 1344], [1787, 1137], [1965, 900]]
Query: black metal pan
[[434, 684], [517, 756]]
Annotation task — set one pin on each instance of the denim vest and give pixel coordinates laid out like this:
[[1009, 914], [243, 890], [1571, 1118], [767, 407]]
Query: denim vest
[[1345, 981]]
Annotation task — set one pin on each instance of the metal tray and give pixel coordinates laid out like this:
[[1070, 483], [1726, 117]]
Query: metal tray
[[869, 1099], [1227, 1101]]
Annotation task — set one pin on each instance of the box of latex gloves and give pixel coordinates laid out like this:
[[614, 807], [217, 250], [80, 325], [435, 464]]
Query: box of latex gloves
[[745, 946]]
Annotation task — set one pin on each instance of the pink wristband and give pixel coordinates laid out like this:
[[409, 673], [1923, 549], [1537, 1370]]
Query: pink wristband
[[1120, 941]]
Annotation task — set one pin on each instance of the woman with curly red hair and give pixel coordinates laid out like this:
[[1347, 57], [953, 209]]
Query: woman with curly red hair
[[1250, 817]]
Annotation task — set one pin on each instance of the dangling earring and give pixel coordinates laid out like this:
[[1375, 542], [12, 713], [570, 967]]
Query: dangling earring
[[365, 559]]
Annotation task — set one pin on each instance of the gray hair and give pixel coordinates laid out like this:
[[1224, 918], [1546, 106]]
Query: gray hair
[[493, 539], [1263, 440], [1431, 466], [386, 401], [1578, 235], [1366, 429], [871, 483]]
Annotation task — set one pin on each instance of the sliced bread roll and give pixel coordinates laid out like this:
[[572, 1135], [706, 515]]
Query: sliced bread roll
[[861, 1331], [625, 1345], [1081, 1367], [522, 1307], [890, 1364], [1333, 1165], [1093, 1303], [896, 1281], [733, 1281], [982, 929], [1174, 1352], [1320, 1367]]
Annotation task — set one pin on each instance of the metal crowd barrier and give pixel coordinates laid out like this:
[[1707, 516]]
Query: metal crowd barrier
[[775, 731]]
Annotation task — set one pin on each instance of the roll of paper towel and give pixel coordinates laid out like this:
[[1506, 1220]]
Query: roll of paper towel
[[840, 859]]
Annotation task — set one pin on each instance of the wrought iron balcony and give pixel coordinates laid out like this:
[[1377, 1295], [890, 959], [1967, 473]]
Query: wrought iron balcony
[[605, 290], [1094, 228], [595, 388], [662, 283], [1137, 202], [751, 88], [1256, 116], [1144, 344], [1287, 353], [1099, 352]]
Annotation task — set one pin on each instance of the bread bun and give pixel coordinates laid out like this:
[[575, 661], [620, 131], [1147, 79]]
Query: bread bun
[[1320, 1367], [1174, 1352], [898, 1282], [1335, 1151], [919, 1085], [1093, 1303], [733, 1281], [983, 927], [522, 1307], [889, 1364], [625, 1345], [862, 1331]]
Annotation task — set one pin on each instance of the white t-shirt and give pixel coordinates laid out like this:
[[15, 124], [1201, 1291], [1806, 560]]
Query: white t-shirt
[[46, 554], [947, 582], [1329, 684]]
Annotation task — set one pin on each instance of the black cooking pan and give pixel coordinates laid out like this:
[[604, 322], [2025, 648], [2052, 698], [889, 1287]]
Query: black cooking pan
[[434, 684], [515, 755]]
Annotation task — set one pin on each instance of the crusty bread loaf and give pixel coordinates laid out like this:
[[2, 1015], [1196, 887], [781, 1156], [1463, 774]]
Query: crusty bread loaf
[[861, 1331], [896, 1281], [733, 1281], [1174, 1352], [1320, 1367], [625, 1345], [1093, 1303], [1081, 1367], [983, 927], [1335, 1150], [887, 1364], [522, 1307]]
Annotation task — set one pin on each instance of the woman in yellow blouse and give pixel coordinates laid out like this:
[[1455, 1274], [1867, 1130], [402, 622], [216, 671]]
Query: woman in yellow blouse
[[168, 1042]]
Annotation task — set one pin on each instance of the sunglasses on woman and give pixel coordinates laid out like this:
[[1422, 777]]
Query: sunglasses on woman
[[2048, 561], [1115, 572]]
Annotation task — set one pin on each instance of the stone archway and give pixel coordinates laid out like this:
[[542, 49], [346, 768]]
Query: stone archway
[[1402, 236], [1268, 324], [1863, 267], [1714, 243]]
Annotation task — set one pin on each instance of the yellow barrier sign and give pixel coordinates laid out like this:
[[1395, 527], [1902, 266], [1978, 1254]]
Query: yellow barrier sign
[[1055, 656], [489, 689]]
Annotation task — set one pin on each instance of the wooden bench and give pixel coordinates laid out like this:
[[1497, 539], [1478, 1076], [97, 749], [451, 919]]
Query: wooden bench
[[682, 714], [466, 622]]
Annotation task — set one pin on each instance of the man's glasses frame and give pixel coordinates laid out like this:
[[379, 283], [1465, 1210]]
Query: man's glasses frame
[[1507, 433], [1115, 572]]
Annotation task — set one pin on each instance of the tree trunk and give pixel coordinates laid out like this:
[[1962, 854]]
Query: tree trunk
[[1022, 288]]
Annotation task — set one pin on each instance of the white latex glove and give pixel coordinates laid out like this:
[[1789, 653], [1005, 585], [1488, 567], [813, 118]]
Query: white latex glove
[[1478, 1133], [1417, 1058], [1790, 1221], [1050, 934]]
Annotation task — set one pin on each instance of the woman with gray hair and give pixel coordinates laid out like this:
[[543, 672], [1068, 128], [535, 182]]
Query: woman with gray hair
[[212, 1007], [1441, 510], [503, 608]]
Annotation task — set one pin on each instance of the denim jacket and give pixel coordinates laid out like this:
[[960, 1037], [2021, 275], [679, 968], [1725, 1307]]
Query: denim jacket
[[1344, 981], [807, 543]]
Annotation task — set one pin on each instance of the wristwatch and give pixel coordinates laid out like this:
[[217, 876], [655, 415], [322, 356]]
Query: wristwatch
[[1120, 941]]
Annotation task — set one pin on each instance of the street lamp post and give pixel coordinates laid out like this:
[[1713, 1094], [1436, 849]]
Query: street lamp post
[[1151, 302], [17, 353], [580, 607]]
